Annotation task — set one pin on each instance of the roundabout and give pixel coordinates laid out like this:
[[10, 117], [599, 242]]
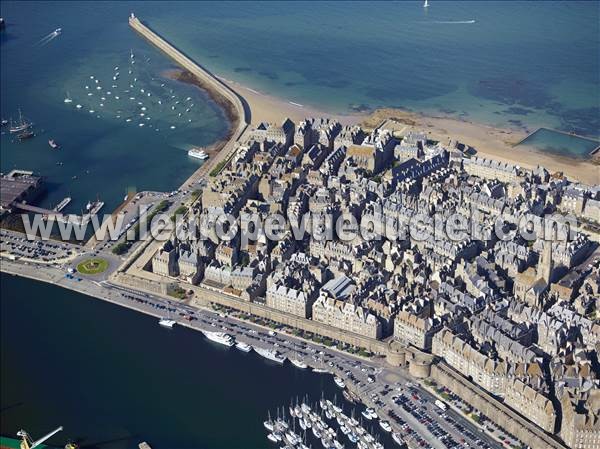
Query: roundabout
[[92, 266]]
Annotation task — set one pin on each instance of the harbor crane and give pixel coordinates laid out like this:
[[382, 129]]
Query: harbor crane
[[28, 443]]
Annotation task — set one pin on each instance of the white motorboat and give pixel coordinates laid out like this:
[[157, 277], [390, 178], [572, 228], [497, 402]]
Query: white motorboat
[[198, 154], [299, 363], [167, 322], [339, 382], [316, 432], [385, 426], [271, 355], [220, 337], [243, 346], [397, 438]]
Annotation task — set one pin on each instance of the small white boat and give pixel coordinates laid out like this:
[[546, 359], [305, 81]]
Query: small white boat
[[272, 438], [166, 322], [299, 363], [68, 99], [385, 426], [243, 346], [78, 106], [339, 382], [269, 424], [398, 439], [302, 424]]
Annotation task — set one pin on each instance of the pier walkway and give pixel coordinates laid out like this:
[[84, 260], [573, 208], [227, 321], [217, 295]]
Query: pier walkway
[[35, 209]]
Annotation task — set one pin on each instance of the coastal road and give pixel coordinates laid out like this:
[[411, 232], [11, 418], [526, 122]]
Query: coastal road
[[379, 394]]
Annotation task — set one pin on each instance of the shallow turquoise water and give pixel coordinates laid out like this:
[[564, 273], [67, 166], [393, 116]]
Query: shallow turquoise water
[[523, 64], [519, 64]]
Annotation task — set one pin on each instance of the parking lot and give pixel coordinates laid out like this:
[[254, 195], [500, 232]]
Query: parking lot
[[19, 247]]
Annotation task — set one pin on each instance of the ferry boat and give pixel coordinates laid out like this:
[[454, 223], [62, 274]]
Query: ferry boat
[[271, 355], [53, 144], [198, 154], [220, 337], [166, 322], [397, 438], [299, 363], [339, 382], [243, 346]]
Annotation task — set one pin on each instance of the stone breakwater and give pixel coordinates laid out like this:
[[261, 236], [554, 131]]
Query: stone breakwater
[[234, 105]]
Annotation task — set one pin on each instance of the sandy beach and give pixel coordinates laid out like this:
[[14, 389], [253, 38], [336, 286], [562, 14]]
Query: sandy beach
[[487, 140]]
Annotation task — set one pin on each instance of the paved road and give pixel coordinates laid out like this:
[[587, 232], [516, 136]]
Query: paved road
[[381, 394]]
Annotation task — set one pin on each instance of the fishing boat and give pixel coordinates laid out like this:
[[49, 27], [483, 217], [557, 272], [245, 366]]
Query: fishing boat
[[53, 144]]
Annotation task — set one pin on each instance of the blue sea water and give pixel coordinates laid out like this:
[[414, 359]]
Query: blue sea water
[[508, 63]]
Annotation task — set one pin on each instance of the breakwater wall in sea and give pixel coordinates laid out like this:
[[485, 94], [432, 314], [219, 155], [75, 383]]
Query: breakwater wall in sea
[[205, 76]]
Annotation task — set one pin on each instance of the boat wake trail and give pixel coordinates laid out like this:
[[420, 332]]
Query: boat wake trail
[[451, 22], [49, 37]]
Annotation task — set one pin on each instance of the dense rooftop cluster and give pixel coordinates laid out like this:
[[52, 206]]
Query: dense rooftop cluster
[[517, 316]]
